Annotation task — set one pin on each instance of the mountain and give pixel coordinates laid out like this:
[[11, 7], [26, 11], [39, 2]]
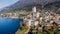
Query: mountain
[[27, 4], [1, 9], [55, 7]]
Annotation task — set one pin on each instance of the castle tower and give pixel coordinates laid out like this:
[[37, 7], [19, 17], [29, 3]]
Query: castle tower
[[34, 9]]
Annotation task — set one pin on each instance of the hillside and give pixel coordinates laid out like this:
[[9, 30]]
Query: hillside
[[27, 5]]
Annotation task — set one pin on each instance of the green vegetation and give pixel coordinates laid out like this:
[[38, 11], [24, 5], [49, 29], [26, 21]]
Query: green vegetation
[[21, 30]]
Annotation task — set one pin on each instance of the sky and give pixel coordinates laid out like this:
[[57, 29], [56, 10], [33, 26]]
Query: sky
[[4, 3]]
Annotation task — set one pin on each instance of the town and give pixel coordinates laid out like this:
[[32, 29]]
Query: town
[[41, 21]]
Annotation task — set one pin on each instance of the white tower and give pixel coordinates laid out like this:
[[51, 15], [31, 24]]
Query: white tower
[[34, 9]]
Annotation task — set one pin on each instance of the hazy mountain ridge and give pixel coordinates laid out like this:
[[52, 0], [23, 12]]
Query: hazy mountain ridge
[[21, 4]]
